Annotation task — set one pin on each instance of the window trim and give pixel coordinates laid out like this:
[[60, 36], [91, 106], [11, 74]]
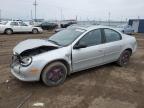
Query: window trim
[[104, 35], [24, 24], [102, 38]]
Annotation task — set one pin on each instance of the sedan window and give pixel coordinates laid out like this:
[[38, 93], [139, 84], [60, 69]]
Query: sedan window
[[22, 24], [92, 38], [14, 24], [44, 24], [111, 35]]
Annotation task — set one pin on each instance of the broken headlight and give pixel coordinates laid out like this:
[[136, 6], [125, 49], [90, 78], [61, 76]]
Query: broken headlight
[[26, 61]]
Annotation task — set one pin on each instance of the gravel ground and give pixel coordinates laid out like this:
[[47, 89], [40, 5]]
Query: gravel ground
[[107, 86]]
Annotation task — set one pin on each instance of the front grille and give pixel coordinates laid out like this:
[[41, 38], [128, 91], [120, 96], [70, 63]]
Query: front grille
[[15, 60]]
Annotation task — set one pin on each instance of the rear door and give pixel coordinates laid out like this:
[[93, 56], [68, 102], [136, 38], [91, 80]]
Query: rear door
[[92, 54], [15, 26], [113, 45]]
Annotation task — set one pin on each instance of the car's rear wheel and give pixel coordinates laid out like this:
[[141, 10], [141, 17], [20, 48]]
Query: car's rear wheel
[[35, 31], [54, 74], [124, 58], [9, 31]]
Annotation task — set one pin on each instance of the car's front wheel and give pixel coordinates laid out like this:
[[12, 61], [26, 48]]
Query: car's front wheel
[[9, 31], [124, 58], [54, 74]]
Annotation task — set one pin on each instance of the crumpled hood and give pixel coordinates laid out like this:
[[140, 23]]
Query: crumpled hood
[[30, 44]]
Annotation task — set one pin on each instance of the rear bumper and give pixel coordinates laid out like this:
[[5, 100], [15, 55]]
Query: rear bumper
[[1, 31], [40, 30], [135, 46]]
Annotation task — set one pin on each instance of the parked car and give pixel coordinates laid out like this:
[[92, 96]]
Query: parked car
[[10, 27], [29, 23], [68, 51], [67, 24], [59, 29], [126, 29], [48, 26]]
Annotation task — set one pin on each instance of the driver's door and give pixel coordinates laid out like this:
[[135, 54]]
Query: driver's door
[[91, 55]]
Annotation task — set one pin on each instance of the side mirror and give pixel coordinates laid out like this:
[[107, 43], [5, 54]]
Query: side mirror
[[79, 46]]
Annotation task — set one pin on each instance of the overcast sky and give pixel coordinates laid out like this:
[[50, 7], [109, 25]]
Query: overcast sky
[[83, 9]]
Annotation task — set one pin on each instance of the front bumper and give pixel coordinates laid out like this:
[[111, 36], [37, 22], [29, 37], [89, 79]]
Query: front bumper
[[25, 73]]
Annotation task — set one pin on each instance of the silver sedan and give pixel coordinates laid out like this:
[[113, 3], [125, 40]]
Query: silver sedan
[[126, 29], [71, 50]]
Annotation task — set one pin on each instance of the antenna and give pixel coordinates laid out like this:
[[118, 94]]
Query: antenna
[[61, 14], [35, 5]]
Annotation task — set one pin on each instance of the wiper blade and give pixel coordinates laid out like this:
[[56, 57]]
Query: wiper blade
[[54, 42]]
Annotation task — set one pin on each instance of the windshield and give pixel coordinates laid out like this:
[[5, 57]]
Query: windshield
[[66, 37]]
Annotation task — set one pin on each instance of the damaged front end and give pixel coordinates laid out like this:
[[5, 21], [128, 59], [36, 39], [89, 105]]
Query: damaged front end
[[36, 51], [24, 51], [25, 65], [25, 58]]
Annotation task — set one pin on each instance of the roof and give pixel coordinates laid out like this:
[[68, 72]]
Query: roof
[[136, 19], [90, 27]]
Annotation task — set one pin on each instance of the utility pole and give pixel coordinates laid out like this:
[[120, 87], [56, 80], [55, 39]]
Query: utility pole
[[0, 15], [35, 5], [31, 15], [109, 14], [61, 14], [76, 17]]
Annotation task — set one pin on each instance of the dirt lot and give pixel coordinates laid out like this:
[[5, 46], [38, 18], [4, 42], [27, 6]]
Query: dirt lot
[[108, 86]]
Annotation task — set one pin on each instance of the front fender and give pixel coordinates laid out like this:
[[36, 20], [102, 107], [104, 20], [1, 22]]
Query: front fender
[[44, 59]]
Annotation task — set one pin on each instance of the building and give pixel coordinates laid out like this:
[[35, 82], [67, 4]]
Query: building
[[137, 24]]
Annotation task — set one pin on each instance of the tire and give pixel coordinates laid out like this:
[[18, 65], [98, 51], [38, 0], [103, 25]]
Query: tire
[[9, 31], [124, 58], [54, 74], [35, 31]]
